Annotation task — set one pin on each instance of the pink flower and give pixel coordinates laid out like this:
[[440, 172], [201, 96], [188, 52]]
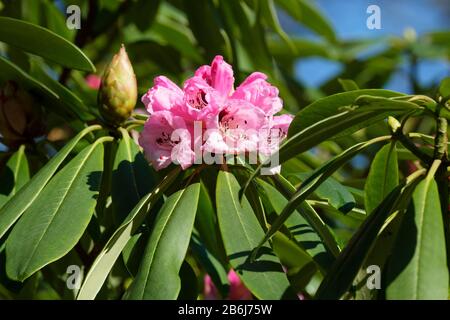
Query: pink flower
[[219, 76], [164, 95], [237, 291], [93, 81], [238, 126], [256, 90], [233, 121], [200, 100], [165, 138]]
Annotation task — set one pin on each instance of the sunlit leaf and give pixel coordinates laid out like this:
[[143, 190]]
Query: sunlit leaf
[[157, 277], [44, 43]]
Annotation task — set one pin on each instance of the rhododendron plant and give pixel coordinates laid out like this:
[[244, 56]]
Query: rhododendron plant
[[223, 149]]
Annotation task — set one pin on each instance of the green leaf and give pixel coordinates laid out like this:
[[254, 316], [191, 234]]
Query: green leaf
[[333, 106], [344, 270], [303, 47], [189, 282], [44, 43], [312, 183], [307, 14], [290, 253], [107, 257], [212, 266], [206, 221], [56, 20], [308, 212], [331, 190], [380, 103], [202, 21], [444, 88], [348, 84], [50, 99], [382, 178], [300, 229], [241, 232], [14, 175], [132, 252], [131, 178], [319, 129], [248, 35], [418, 269], [270, 15], [66, 97], [143, 13], [14, 208], [157, 277], [51, 227]]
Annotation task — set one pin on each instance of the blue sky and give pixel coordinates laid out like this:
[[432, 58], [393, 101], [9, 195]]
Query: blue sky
[[348, 18]]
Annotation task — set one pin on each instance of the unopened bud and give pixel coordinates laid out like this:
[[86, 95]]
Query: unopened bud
[[20, 118], [118, 91], [394, 125]]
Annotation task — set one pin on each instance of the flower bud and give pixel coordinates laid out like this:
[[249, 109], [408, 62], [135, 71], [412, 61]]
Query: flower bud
[[394, 125], [20, 118], [118, 91]]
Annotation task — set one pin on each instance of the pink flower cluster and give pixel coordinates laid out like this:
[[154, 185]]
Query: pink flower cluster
[[230, 121], [237, 291]]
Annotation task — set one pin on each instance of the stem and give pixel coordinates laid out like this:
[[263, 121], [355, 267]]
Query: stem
[[440, 145], [134, 122], [440, 153], [408, 144], [104, 139]]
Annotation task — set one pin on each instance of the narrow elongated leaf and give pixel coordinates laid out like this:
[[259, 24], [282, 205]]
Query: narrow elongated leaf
[[65, 96], [51, 227], [299, 228], [312, 183], [44, 43], [50, 99], [201, 16], [307, 14], [157, 277], [14, 175], [270, 15], [56, 21], [348, 84], [418, 266], [444, 88], [206, 221], [131, 178], [14, 208], [132, 252], [333, 105], [382, 178], [247, 33], [313, 218], [212, 266], [345, 268], [189, 282], [335, 193], [107, 257], [291, 255], [323, 120], [241, 232]]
